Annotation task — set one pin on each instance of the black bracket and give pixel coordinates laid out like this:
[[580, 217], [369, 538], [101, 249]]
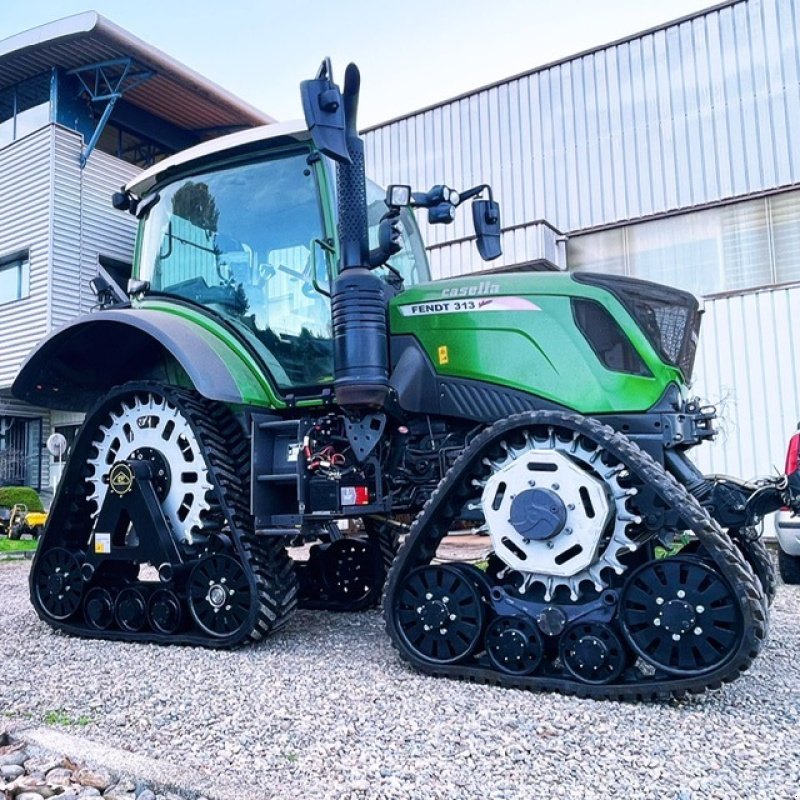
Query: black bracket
[[131, 525]]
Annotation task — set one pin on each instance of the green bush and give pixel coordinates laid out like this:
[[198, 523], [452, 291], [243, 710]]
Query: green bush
[[11, 495]]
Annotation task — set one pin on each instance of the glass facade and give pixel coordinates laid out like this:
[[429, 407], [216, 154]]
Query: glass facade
[[21, 451], [15, 278], [729, 248], [24, 108]]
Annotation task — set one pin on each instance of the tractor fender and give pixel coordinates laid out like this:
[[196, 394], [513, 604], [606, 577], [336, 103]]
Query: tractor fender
[[97, 351]]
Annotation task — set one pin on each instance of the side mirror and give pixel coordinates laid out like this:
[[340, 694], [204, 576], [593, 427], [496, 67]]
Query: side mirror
[[323, 108], [121, 201], [486, 218]]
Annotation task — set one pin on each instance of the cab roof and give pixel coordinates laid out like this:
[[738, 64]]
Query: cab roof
[[242, 141]]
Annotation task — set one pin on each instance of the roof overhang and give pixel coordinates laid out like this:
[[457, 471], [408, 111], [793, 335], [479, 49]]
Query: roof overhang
[[175, 93], [233, 144]]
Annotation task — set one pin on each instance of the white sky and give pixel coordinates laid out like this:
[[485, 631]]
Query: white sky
[[411, 53]]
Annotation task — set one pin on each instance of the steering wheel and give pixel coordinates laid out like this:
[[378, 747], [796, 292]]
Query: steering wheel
[[308, 289]]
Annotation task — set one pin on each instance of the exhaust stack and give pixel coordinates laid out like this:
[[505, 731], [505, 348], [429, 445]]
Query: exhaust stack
[[358, 300]]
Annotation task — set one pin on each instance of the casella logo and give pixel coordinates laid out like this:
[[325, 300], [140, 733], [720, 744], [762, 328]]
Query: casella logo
[[483, 288]]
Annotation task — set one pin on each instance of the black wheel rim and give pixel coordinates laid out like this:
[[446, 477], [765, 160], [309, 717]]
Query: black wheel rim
[[440, 614], [98, 608], [219, 595], [348, 569], [130, 610], [680, 615], [164, 611], [592, 652], [59, 585], [514, 645]]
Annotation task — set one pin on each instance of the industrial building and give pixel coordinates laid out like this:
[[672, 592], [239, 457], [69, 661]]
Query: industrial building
[[672, 155], [84, 106]]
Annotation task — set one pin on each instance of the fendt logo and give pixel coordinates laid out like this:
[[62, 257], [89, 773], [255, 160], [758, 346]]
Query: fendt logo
[[482, 288]]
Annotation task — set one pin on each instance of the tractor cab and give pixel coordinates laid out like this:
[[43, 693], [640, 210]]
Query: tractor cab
[[246, 229]]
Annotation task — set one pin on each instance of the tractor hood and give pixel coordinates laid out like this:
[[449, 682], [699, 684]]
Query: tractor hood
[[592, 343]]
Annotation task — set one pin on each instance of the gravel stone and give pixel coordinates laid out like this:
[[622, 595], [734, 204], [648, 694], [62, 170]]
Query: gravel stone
[[326, 710], [11, 771]]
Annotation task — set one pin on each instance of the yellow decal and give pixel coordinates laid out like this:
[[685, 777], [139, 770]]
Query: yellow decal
[[102, 542], [444, 358]]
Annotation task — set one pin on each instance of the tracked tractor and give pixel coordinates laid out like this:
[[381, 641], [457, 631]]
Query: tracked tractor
[[284, 392]]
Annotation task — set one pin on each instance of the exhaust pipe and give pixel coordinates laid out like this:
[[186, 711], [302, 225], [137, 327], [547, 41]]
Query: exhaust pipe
[[358, 299]]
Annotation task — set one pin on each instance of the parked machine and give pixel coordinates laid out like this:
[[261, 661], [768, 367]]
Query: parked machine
[[285, 365], [18, 520]]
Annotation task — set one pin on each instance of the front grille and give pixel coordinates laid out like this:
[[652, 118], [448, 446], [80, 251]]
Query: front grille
[[670, 318]]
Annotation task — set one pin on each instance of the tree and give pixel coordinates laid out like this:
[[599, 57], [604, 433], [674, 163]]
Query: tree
[[195, 203]]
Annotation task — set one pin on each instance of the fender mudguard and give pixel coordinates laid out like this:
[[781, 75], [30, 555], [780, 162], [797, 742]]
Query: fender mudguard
[[86, 357]]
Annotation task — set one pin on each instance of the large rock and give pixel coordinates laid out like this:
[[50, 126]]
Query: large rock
[[30, 796], [13, 755], [60, 776], [124, 789], [11, 771], [94, 778]]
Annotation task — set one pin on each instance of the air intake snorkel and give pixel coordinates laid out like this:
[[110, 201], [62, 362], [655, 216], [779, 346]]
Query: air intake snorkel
[[358, 302]]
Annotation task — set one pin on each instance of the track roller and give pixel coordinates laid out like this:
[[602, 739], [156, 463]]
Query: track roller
[[441, 614], [592, 652], [98, 608], [514, 645], [164, 611], [130, 609]]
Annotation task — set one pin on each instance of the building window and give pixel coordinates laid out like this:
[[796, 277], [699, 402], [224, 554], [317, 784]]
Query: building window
[[21, 452], [24, 108], [15, 277], [729, 248]]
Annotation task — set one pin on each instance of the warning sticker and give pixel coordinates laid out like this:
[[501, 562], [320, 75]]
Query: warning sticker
[[471, 305], [102, 542]]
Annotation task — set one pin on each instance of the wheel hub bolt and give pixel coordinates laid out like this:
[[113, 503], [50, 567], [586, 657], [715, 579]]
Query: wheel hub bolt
[[217, 596]]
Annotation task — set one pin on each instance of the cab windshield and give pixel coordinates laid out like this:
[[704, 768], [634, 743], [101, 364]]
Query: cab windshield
[[241, 240]]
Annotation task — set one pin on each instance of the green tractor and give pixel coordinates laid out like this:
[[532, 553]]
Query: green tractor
[[284, 378]]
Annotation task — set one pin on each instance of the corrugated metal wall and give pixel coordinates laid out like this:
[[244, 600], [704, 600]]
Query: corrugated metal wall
[[85, 226], [748, 364], [690, 114], [25, 180], [104, 231]]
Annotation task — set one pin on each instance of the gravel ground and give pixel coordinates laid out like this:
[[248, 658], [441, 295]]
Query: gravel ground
[[326, 710]]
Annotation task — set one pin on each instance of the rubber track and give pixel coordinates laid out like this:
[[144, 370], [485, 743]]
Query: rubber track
[[432, 525], [226, 452], [757, 555]]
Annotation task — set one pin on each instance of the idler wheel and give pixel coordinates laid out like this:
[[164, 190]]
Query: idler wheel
[[58, 583], [98, 608], [514, 645], [130, 609], [219, 595], [440, 614], [680, 615]]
